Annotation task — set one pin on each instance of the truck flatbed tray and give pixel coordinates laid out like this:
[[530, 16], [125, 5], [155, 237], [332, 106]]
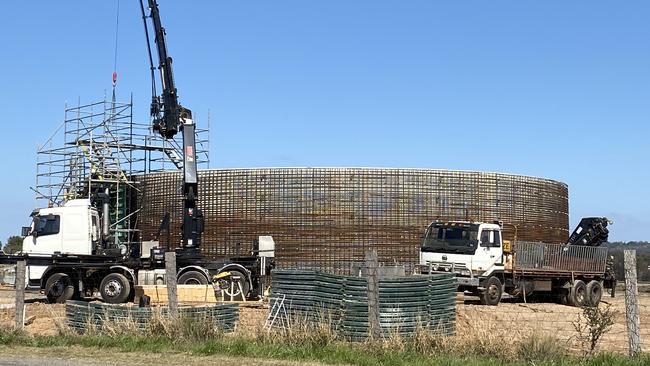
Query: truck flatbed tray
[[554, 273], [552, 259]]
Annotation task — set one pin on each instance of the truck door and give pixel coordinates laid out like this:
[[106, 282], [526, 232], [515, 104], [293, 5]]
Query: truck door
[[46, 235], [490, 251], [45, 239]]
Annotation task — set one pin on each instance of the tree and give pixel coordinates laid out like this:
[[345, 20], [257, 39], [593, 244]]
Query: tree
[[14, 244]]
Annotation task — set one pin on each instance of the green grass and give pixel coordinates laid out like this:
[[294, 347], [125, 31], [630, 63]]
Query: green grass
[[335, 352]]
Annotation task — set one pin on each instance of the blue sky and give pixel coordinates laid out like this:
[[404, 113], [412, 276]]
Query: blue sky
[[554, 89]]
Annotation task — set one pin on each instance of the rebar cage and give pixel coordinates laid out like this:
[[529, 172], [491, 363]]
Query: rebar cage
[[326, 218]]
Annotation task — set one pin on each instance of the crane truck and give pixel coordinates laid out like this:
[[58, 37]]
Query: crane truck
[[67, 249], [485, 265]]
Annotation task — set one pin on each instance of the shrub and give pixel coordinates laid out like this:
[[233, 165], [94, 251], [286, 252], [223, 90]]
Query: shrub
[[592, 324]]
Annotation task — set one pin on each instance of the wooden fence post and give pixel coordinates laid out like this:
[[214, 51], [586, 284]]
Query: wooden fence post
[[20, 294], [632, 303], [170, 276], [372, 263]]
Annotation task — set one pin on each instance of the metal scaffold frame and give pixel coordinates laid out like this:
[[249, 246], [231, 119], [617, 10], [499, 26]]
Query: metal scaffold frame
[[99, 146]]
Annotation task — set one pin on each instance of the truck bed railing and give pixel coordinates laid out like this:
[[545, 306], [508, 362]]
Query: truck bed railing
[[542, 257]]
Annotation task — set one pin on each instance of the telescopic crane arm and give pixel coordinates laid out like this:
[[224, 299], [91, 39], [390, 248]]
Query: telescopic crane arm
[[591, 231], [169, 117]]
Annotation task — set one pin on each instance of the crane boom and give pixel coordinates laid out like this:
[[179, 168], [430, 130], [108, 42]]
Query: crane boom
[[169, 116]]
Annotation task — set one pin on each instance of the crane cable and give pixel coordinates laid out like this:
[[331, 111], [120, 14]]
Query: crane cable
[[117, 28]]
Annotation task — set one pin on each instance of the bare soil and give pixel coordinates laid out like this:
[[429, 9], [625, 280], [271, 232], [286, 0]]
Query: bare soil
[[60, 356], [511, 320], [515, 319]]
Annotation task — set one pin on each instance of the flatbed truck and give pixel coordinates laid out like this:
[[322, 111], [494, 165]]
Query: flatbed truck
[[575, 273]]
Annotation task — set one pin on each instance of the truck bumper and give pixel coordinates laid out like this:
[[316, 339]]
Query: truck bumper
[[467, 281], [460, 280]]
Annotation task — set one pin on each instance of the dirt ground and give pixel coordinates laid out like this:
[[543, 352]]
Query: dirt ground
[[510, 320], [60, 356], [515, 319]]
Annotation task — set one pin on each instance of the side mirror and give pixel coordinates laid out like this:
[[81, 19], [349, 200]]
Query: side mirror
[[26, 231]]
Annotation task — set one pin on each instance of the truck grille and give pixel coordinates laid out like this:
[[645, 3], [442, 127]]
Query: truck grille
[[444, 267]]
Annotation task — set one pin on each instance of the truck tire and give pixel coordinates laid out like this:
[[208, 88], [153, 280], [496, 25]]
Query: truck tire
[[492, 293], [59, 288], [233, 282], [594, 293], [561, 295], [578, 294], [115, 288], [192, 278]]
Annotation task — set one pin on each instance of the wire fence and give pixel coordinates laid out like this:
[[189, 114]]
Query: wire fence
[[512, 322], [515, 321]]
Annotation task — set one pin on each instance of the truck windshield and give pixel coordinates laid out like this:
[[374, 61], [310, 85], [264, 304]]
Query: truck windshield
[[451, 239], [47, 225]]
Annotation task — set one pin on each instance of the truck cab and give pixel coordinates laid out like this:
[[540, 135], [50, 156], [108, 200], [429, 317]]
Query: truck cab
[[471, 250], [70, 229]]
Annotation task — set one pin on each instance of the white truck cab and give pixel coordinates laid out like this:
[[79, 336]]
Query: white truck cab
[[469, 249], [70, 229]]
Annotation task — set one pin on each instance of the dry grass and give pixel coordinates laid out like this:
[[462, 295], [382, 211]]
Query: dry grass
[[508, 331], [180, 328]]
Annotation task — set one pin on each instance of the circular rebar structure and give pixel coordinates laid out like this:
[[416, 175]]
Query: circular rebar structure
[[328, 217]]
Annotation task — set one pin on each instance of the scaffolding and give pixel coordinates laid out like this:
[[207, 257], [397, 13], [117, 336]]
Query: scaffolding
[[100, 148]]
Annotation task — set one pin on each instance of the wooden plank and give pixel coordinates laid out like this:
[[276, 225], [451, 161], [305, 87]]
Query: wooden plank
[[20, 294], [184, 294], [632, 302], [170, 278], [372, 263]]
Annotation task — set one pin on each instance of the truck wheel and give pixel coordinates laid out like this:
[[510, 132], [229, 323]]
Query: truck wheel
[[492, 293], [231, 286], [59, 288], [561, 295], [594, 293], [578, 295], [192, 278], [115, 288]]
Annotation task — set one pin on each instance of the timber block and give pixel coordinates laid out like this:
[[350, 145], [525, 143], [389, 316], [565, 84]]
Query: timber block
[[186, 294]]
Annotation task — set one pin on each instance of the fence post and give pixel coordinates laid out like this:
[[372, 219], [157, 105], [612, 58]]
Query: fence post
[[170, 276], [20, 294], [632, 302], [372, 263]]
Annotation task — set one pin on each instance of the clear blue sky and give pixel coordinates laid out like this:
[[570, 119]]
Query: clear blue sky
[[551, 88]]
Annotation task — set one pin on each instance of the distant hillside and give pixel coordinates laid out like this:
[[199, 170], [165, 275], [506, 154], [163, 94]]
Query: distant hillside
[[642, 258], [640, 246]]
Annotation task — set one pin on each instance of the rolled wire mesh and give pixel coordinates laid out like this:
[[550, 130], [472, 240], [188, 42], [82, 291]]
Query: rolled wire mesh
[[326, 218]]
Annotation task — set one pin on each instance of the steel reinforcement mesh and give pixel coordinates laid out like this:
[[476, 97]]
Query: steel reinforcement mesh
[[326, 218]]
